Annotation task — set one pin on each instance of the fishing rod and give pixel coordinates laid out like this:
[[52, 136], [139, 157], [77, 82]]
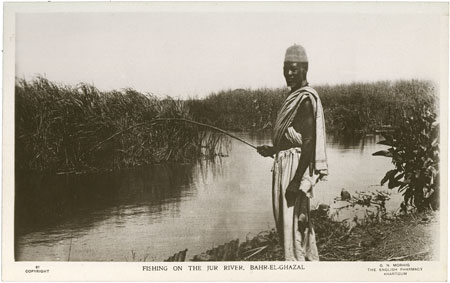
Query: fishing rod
[[158, 120]]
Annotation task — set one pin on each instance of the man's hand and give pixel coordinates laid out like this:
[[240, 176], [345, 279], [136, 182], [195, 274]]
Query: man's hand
[[265, 150], [292, 191]]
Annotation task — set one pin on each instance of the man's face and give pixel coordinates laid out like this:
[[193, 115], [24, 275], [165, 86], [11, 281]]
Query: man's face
[[293, 73]]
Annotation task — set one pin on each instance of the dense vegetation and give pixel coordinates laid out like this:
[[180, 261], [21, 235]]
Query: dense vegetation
[[349, 108], [59, 128]]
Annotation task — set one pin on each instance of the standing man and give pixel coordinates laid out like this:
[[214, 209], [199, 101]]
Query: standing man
[[300, 159]]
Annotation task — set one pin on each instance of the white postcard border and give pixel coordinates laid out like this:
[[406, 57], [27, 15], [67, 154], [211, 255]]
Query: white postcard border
[[136, 271]]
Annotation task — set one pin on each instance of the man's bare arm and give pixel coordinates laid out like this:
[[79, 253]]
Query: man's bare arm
[[304, 123]]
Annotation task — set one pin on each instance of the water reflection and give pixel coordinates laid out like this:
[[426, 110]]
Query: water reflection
[[159, 210], [46, 200], [79, 202]]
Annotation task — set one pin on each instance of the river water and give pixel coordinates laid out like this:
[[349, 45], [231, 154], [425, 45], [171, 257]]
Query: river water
[[153, 212]]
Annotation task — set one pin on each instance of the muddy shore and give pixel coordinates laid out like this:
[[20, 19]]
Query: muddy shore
[[402, 238]]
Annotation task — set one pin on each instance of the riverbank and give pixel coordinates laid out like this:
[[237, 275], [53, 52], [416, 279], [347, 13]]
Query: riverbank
[[407, 237], [410, 237]]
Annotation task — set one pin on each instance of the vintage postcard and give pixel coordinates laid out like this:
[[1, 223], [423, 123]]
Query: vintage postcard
[[225, 141]]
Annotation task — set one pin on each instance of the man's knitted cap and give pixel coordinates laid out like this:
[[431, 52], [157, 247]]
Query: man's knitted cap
[[296, 53]]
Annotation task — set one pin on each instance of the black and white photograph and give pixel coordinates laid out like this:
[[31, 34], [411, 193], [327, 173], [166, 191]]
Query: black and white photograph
[[251, 137]]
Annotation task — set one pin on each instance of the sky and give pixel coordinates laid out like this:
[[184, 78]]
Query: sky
[[192, 54]]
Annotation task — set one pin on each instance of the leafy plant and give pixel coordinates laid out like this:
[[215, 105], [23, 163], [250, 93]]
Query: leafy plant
[[414, 150]]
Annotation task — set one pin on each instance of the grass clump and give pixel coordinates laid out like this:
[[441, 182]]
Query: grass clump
[[57, 126], [349, 108]]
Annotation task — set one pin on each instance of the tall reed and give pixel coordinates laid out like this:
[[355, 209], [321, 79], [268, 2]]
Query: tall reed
[[57, 126], [348, 108]]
